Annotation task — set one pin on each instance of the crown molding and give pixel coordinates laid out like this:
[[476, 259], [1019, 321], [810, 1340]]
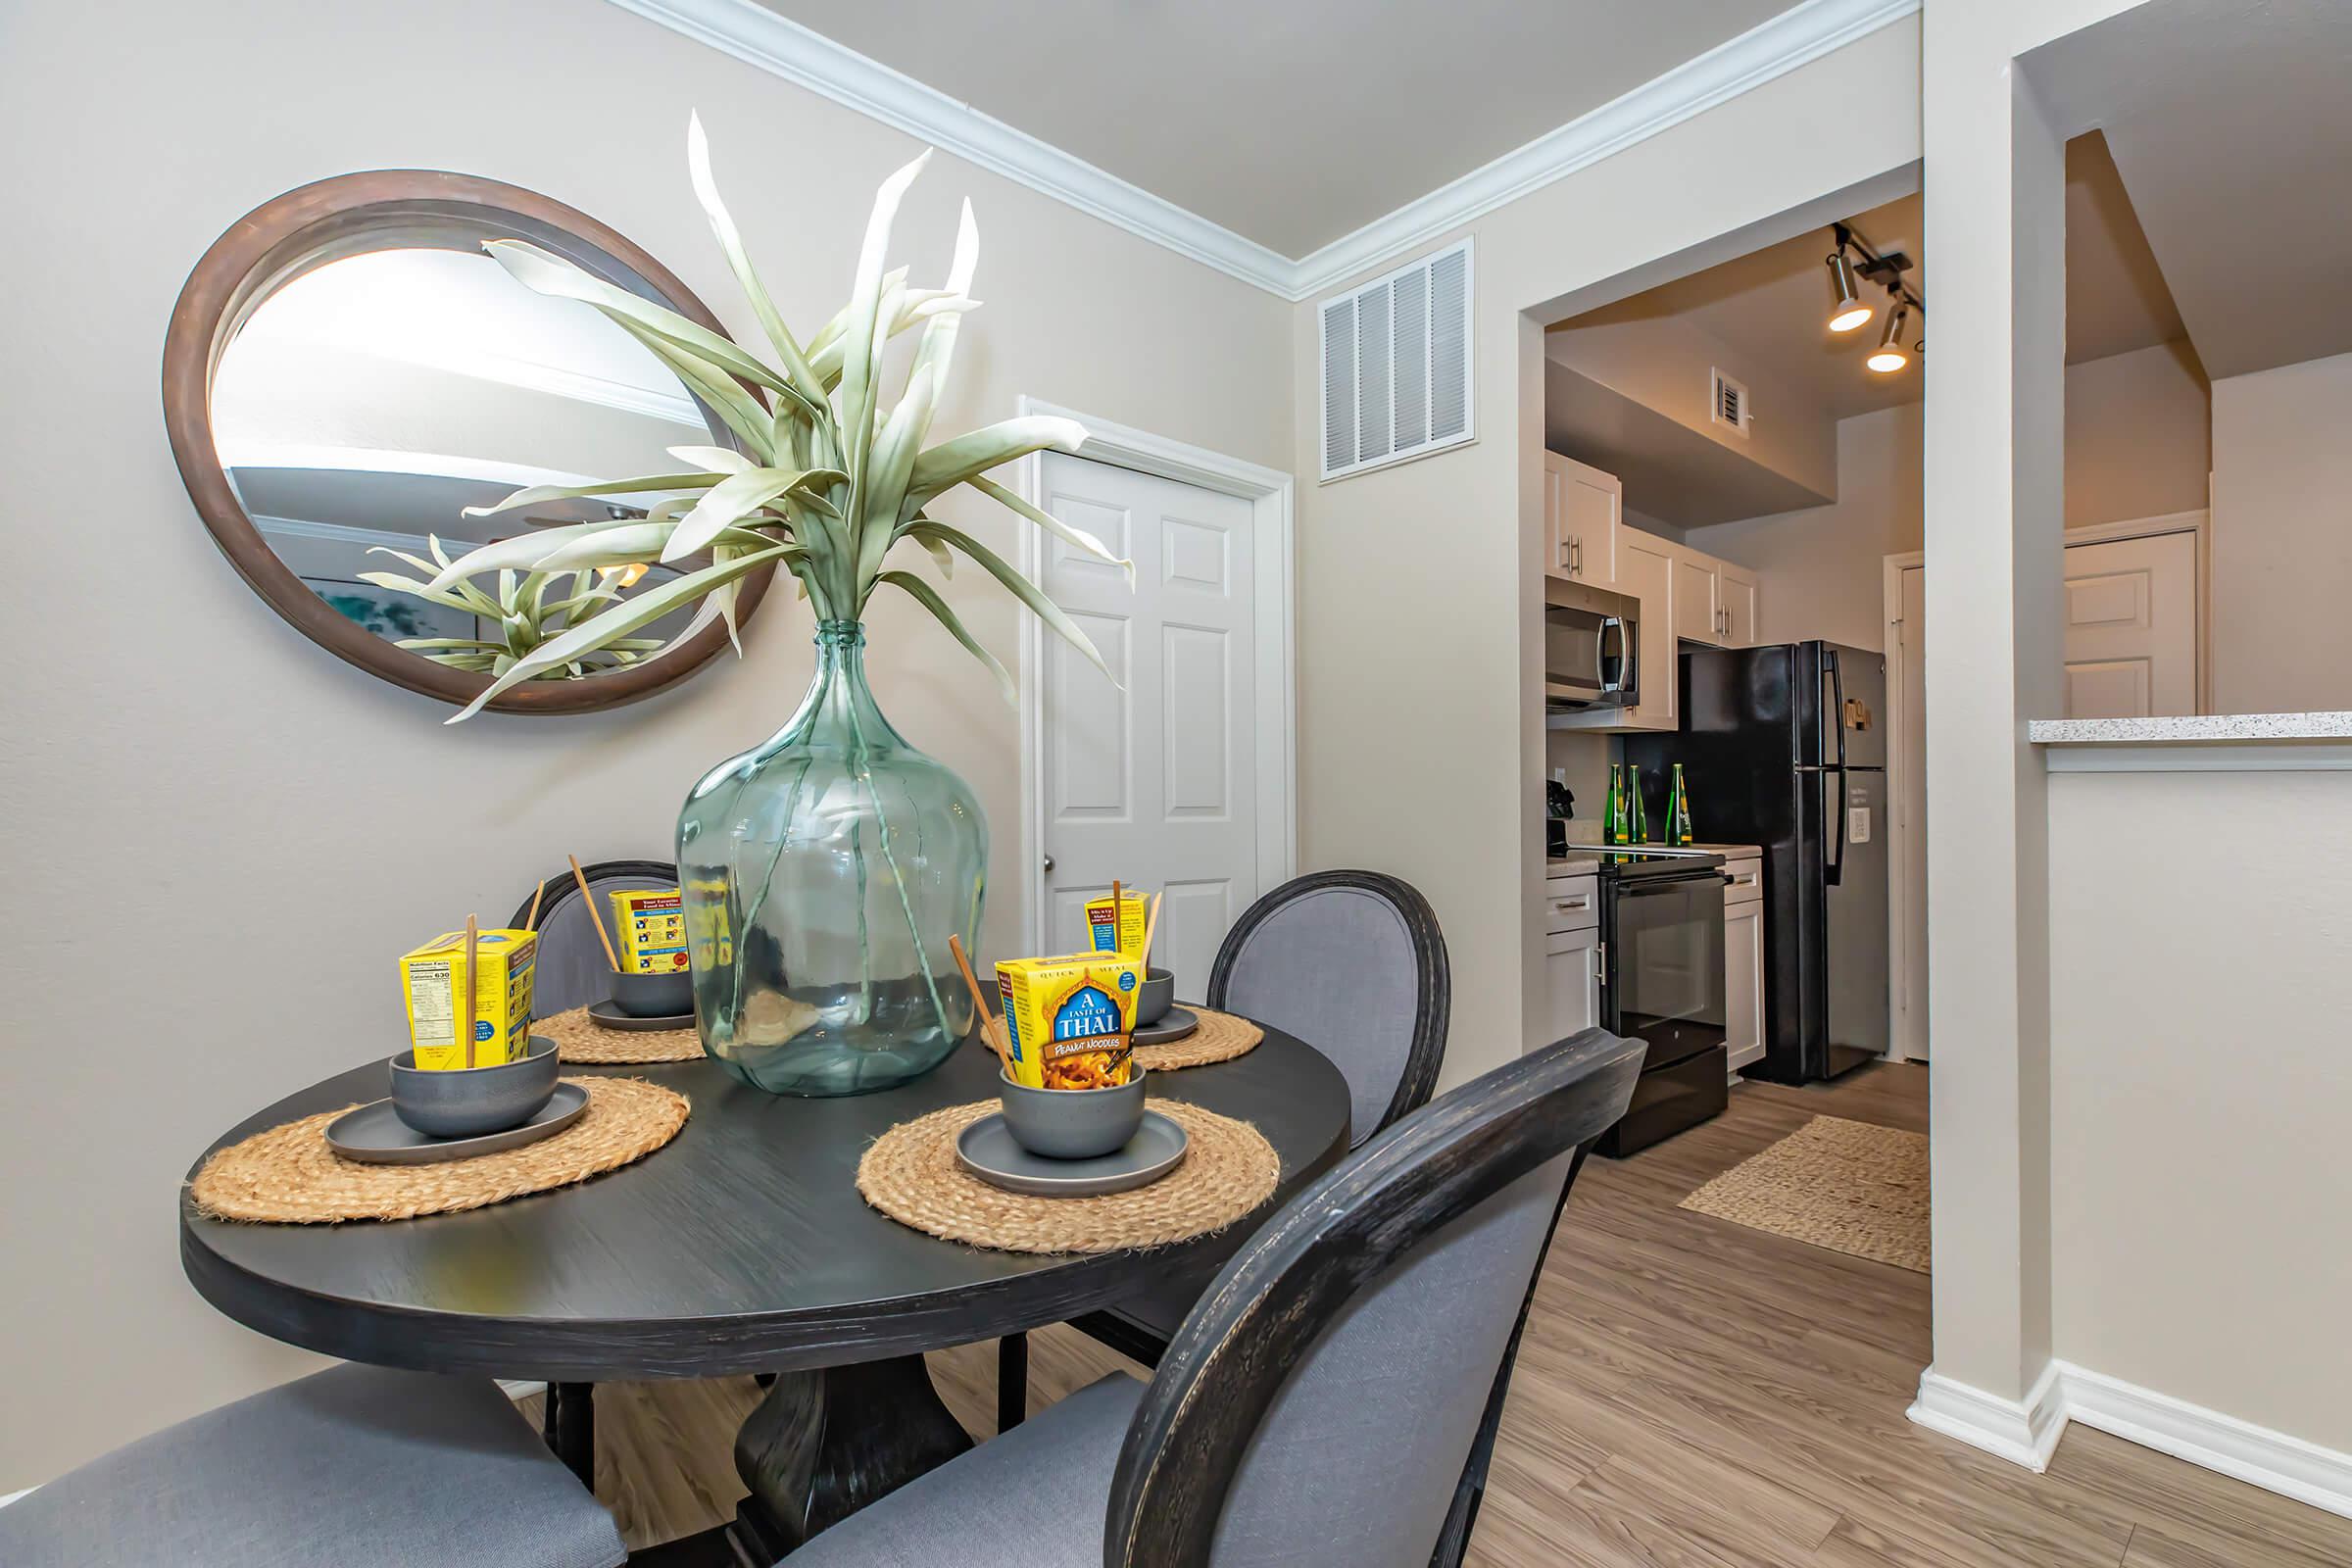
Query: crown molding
[[1794, 38], [782, 47], [761, 38]]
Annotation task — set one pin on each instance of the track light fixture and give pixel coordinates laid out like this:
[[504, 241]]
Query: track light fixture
[[1847, 312], [1847, 309], [1890, 355]]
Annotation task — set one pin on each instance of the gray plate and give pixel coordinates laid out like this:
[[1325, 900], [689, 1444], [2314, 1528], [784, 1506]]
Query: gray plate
[[1174, 1024], [605, 1016], [374, 1136], [986, 1150]]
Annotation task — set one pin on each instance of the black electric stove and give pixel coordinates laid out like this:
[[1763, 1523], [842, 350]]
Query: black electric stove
[[1663, 982]]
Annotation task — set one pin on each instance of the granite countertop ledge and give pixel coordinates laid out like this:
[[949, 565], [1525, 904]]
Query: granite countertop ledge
[[2200, 729]]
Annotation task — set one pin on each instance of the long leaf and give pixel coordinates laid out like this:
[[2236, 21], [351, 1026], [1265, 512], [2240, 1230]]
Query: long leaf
[[611, 487], [602, 630], [1027, 592], [951, 462], [725, 460], [902, 437], [924, 595], [1078, 538], [866, 299], [730, 242], [524, 550], [730, 500], [545, 273], [741, 411], [405, 585]]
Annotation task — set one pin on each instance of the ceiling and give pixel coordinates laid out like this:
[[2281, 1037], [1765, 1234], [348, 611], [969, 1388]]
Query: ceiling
[[1769, 305], [2230, 123], [1291, 123]]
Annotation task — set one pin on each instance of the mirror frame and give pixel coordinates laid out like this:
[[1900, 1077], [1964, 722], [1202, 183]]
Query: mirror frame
[[349, 214]]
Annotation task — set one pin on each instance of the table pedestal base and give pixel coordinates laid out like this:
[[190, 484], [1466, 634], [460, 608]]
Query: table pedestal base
[[823, 1445]]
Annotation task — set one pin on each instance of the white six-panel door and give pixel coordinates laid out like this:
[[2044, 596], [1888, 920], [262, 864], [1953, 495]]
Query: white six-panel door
[[1154, 785], [2131, 627]]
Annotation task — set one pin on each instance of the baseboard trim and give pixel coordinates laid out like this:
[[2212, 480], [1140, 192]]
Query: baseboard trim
[[2272, 1460], [2025, 1431], [2021, 1431]]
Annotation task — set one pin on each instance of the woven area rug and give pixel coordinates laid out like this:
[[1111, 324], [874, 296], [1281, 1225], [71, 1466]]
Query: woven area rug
[[1848, 1186]]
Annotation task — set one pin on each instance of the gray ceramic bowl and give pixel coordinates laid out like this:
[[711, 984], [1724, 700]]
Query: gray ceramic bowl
[[467, 1101], [1154, 996], [653, 996], [1073, 1123]]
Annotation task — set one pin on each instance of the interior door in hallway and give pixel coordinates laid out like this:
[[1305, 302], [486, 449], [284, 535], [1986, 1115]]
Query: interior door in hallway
[[1153, 784], [2131, 627]]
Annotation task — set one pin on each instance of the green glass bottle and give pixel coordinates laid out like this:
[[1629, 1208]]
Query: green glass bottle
[[1612, 822], [1637, 818], [1678, 810]]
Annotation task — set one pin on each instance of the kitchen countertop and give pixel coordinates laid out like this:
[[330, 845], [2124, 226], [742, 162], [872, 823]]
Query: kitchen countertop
[[2191, 730], [1584, 860]]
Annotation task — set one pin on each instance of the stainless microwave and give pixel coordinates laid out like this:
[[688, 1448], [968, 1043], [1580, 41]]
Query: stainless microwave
[[1592, 648]]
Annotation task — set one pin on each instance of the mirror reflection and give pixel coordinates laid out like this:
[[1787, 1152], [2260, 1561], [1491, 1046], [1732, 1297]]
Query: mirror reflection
[[363, 407]]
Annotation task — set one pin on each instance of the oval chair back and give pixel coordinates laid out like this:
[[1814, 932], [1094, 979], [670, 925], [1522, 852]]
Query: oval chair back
[[1333, 1396], [572, 970], [1352, 962]]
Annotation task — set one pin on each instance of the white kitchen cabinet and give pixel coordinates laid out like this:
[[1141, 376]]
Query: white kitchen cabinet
[[1714, 601], [1572, 975], [1584, 512], [1735, 592], [1744, 961]]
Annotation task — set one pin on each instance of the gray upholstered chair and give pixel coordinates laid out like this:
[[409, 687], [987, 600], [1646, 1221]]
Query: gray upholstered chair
[[356, 1466], [1332, 1398], [572, 969], [1352, 962]]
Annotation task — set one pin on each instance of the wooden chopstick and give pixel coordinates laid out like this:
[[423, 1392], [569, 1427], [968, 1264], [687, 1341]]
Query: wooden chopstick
[[1150, 929], [979, 1000], [473, 935], [589, 899], [530, 921]]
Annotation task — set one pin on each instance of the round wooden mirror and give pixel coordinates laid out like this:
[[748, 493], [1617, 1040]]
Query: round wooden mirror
[[348, 371]]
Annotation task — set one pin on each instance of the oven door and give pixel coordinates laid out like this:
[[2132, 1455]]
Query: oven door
[[1664, 974]]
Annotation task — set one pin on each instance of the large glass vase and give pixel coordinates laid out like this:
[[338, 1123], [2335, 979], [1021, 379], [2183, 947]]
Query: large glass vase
[[824, 873]]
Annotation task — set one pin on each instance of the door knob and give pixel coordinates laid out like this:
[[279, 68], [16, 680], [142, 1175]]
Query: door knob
[[1049, 863]]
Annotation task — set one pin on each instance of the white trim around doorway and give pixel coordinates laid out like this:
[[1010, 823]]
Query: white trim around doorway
[[1270, 492]]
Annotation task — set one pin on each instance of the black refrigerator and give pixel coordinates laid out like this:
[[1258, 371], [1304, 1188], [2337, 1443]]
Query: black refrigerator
[[1785, 747]]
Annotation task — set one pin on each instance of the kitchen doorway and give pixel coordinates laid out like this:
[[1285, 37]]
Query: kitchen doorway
[[1179, 772]]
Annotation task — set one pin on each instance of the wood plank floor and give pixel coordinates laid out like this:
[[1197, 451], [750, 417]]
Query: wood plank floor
[[1692, 1393]]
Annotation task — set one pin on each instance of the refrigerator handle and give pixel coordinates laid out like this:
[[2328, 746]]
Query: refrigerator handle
[[1832, 777]]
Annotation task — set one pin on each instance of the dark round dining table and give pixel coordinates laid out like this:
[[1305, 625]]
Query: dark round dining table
[[741, 1247]]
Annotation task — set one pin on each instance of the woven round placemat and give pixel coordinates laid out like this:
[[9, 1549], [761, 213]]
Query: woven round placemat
[[288, 1176], [1221, 1037], [581, 1039], [910, 1174]]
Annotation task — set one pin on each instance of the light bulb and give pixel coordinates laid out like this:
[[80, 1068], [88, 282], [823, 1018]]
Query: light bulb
[[1846, 311]]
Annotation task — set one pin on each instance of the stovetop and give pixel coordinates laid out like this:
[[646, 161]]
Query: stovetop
[[1620, 864]]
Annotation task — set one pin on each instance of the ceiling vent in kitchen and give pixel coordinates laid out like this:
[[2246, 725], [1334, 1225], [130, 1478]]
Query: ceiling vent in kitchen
[[1397, 364], [1729, 405]]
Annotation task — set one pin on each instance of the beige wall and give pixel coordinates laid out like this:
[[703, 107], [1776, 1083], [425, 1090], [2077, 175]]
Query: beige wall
[[1421, 740], [2137, 446], [2199, 1084], [182, 764], [2281, 542]]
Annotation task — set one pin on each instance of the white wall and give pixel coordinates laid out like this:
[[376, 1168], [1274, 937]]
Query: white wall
[[2137, 446], [2200, 1090], [185, 770], [2281, 542], [1419, 584]]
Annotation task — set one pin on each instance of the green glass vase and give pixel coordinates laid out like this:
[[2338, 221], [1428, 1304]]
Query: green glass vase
[[824, 873]]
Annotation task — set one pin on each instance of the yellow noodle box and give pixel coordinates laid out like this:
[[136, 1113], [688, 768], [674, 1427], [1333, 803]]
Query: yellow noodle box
[[1058, 1009], [1123, 934], [651, 926], [432, 979]]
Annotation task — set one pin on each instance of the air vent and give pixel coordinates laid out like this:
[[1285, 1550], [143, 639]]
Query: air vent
[[1397, 364], [1729, 406]]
